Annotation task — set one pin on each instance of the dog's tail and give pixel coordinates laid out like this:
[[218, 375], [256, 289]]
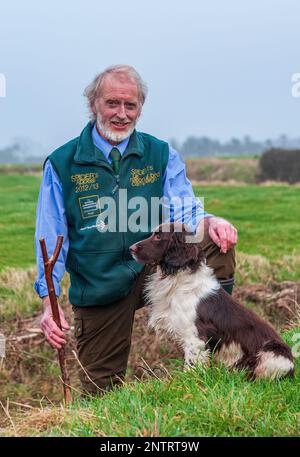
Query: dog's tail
[[274, 360]]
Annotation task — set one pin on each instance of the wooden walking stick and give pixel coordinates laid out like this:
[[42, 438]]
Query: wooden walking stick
[[48, 266]]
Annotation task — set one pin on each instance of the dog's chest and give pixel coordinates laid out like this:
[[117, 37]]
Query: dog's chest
[[170, 302], [174, 300]]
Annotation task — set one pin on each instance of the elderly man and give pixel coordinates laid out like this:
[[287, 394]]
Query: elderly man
[[109, 157]]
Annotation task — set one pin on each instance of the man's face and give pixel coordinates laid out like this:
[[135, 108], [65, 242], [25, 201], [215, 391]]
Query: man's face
[[117, 108]]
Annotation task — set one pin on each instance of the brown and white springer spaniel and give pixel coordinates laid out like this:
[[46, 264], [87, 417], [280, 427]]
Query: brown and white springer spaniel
[[187, 301]]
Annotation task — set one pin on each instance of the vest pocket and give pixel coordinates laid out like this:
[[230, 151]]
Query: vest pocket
[[98, 278], [78, 283]]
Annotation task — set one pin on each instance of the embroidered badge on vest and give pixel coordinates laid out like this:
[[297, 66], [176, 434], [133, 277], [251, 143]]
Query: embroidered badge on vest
[[85, 181], [89, 206], [143, 176]]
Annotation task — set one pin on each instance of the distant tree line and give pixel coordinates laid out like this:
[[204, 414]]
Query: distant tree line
[[204, 146], [20, 152], [10, 154], [23, 150]]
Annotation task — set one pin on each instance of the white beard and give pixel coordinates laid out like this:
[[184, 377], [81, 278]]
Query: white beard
[[114, 136]]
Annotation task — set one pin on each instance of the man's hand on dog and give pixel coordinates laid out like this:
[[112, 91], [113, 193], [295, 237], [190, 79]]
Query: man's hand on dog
[[222, 233], [52, 332]]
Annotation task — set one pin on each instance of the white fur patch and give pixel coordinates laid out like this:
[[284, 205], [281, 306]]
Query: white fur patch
[[173, 306], [195, 352], [272, 365], [230, 354]]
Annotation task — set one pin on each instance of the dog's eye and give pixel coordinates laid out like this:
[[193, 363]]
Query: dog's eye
[[157, 236]]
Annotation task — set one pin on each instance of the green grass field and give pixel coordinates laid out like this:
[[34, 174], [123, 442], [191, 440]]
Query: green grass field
[[210, 403], [18, 198], [267, 218]]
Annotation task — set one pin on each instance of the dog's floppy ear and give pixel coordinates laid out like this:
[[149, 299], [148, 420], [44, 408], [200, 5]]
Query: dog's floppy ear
[[181, 254]]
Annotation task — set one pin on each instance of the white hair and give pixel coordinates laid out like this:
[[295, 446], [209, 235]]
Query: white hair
[[93, 90]]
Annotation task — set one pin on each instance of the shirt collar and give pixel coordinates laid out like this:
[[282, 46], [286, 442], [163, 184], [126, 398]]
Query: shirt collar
[[88, 153], [104, 146]]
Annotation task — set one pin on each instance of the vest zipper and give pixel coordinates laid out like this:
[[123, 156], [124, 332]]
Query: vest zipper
[[117, 185], [132, 271], [122, 233]]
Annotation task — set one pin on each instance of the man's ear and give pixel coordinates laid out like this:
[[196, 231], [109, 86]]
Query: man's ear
[[93, 109]]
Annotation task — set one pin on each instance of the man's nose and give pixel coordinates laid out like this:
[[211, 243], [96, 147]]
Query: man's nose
[[121, 112]]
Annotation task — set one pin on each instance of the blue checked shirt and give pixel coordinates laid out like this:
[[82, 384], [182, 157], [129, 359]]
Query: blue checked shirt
[[51, 218]]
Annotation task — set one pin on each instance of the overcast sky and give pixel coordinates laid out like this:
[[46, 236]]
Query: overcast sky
[[217, 68]]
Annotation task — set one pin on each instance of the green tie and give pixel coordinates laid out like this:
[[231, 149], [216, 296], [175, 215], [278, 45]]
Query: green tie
[[115, 156]]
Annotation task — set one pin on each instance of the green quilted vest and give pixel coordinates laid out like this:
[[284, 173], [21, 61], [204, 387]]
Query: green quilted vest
[[100, 265]]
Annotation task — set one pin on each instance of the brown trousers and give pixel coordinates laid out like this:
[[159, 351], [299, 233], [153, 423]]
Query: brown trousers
[[103, 333]]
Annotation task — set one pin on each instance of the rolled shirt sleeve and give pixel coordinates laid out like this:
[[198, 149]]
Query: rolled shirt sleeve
[[180, 202], [50, 222]]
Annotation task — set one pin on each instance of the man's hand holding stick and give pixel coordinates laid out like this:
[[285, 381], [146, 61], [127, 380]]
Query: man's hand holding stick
[[53, 317]]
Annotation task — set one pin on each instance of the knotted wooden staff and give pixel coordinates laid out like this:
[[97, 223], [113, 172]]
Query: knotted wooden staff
[[48, 266]]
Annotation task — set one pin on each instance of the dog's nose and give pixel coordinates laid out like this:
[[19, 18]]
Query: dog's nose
[[134, 248]]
